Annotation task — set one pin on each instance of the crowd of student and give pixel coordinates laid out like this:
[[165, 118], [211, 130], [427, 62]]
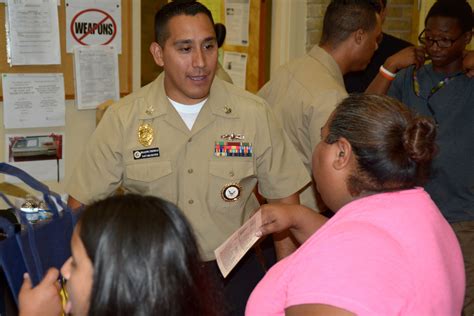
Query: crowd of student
[[394, 169]]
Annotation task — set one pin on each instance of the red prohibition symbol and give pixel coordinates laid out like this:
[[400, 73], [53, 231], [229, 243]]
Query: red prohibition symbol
[[92, 30]]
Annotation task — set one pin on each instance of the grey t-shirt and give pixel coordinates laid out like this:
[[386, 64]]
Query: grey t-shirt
[[451, 184]]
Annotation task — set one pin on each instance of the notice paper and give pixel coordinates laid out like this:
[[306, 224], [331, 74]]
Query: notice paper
[[237, 22], [96, 75], [33, 32], [235, 64], [33, 100], [236, 246]]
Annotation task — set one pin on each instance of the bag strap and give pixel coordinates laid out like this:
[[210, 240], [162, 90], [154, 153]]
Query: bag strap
[[49, 196], [22, 175], [7, 201]]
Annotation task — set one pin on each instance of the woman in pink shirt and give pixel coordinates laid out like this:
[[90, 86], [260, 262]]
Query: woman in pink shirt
[[388, 250]]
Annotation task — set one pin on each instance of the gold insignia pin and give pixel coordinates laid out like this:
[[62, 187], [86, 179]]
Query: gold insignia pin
[[145, 134], [149, 110], [227, 109]]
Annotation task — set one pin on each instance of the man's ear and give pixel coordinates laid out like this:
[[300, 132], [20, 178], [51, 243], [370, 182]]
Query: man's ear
[[157, 53], [468, 37], [343, 154], [359, 36]]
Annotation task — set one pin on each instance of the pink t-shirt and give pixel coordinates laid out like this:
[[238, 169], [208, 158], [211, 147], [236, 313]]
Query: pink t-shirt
[[385, 254]]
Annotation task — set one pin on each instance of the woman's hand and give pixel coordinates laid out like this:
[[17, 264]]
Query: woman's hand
[[43, 299], [300, 220]]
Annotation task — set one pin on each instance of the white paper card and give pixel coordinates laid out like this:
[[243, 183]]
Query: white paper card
[[96, 75], [235, 64], [33, 32], [237, 22], [33, 100], [236, 246]]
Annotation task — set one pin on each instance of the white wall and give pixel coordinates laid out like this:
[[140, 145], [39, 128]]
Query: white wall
[[288, 38]]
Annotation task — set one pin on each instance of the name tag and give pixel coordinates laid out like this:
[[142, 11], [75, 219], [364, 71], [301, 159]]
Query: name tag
[[146, 153]]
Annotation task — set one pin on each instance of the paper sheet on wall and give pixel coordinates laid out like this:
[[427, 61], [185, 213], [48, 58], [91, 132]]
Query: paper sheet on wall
[[235, 64], [40, 155], [96, 75], [33, 100], [32, 32], [236, 246], [237, 22], [5, 1], [93, 22]]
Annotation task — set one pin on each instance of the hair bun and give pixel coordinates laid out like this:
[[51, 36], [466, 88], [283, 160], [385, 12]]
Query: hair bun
[[419, 139]]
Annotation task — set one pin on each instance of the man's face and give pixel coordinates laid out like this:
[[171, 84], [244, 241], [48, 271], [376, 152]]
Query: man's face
[[189, 58], [368, 45], [444, 28]]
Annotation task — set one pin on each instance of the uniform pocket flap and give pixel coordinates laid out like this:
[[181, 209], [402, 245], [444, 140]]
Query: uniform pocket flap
[[231, 170], [148, 171]]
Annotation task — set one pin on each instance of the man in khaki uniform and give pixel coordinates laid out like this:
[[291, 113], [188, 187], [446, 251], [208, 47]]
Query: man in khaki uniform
[[304, 92], [194, 140]]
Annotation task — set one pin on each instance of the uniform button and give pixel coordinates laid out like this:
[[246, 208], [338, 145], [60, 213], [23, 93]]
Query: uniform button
[[190, 139], [191, 201], [190, 170], [231, 173]]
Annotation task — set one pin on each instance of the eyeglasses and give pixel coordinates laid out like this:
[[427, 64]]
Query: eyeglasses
[[442, 43]]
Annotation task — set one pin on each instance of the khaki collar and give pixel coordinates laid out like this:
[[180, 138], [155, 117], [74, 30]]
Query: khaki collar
[[157, 104], [328, 62]]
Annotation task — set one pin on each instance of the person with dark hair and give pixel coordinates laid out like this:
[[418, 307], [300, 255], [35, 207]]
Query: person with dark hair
[[444, 90], [131, 255], [196, 141], [384, 252], [220, 36], [468, 63], [389, 45], [221, 32], [304, 92]]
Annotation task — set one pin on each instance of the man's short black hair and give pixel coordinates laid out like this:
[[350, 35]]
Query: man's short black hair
[[220, 33], [379, 5], [175, 8], [343, 17], [460, 10]]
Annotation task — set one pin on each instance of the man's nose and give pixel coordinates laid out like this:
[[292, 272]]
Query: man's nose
[[198, 59]]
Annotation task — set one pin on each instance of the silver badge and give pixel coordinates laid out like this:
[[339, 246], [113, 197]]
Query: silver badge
[[231, 192]]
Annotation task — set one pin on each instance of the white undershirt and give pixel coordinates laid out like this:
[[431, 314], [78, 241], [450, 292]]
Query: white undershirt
[[188, 113]]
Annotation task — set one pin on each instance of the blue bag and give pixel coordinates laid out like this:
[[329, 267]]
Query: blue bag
[[37, 247], [11, 260]]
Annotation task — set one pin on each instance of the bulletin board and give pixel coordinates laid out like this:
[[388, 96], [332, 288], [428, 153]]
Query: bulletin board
[[258, 49], [67, 65]]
